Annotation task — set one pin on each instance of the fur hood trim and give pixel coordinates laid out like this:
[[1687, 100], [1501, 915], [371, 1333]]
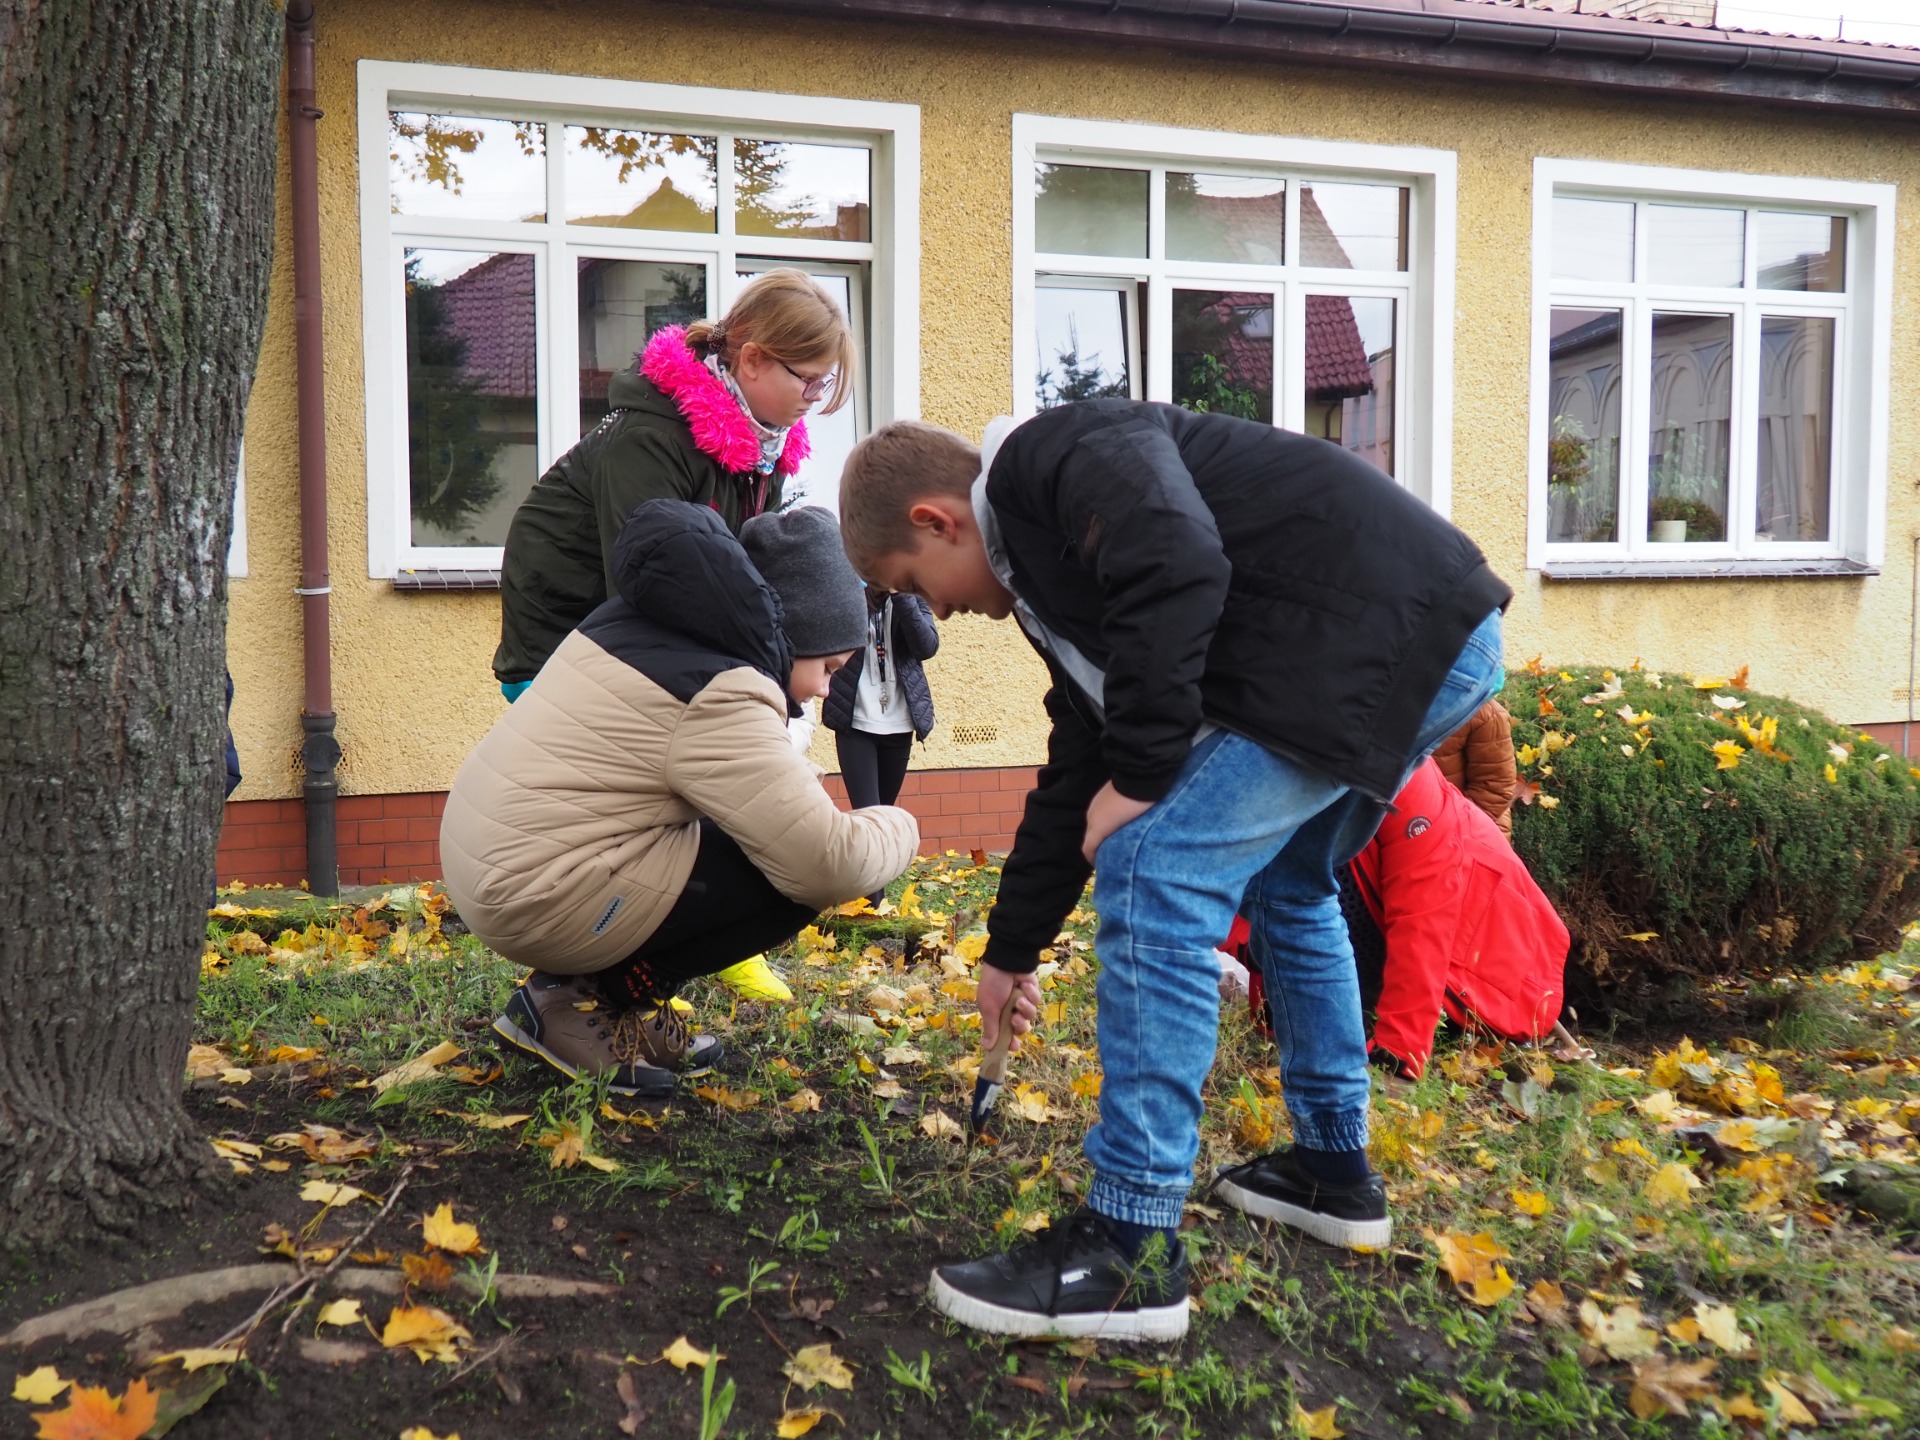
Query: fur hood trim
[[719, 427]]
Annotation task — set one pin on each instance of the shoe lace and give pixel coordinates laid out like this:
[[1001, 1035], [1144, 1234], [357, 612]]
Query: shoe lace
[[627, 1035]]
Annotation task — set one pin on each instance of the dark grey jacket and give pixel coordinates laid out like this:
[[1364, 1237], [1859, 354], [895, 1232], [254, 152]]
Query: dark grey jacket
[[914, 639]]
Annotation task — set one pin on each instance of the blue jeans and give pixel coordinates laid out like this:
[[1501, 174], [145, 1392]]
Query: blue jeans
[[1241, 827]]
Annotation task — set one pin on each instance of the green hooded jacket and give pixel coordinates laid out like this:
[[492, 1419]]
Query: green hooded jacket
[[556, 570]]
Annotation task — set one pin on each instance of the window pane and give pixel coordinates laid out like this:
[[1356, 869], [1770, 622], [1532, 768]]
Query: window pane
[[1226, 217], [622, 302], [1081, 344], [810, 192], [1802, 252], [1353, 227], [473, 417], [1090, 210], [1223, 353], [1350, 374], [1687, 439], [1592, 239], [832, 437], [640, 179], [466, 168], [1796, 427], [1691, 245], [1583, 429]]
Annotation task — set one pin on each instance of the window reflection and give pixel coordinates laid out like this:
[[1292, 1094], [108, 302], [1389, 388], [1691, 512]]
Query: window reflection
[[1350, 380], [1583, 429], [831, 437], [1223, 353], [466, 167], [1687, 441], [1090, 210], [1226, 217], [473, 418], [1694, 245], [1082, 344], [622, 302], [1353, 227], [1796, 428], [1592, 239], [641, 179], [813, 192], [1801, 252]]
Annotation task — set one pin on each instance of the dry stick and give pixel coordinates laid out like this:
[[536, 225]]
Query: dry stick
[[484, 1356], [243, 1332]]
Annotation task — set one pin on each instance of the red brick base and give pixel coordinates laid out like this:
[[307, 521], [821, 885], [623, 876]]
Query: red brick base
[[397, 837]]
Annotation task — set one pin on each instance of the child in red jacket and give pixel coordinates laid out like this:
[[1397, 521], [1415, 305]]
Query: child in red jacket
[[1466, 932]]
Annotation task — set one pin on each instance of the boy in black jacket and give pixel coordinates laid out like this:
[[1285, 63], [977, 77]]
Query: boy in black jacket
[[1253, 638]]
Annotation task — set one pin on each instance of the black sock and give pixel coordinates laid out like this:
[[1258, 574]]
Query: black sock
[[1334, 1167], [1132, 1238]]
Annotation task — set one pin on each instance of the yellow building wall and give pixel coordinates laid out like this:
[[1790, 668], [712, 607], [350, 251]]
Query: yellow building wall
[[411, 681]]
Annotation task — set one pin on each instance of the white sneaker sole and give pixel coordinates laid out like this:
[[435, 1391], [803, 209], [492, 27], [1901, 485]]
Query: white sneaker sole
[[526, 1044], [1159, 1323], [1329, 1229]]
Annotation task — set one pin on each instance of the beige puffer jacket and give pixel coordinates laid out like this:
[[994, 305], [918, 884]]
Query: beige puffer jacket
[[572, 827]]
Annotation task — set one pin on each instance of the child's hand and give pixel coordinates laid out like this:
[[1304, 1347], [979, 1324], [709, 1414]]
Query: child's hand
[[1107, 812], [995, 986]]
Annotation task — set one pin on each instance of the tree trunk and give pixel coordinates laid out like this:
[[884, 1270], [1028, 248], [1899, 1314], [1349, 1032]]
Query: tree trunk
[[136, 233]]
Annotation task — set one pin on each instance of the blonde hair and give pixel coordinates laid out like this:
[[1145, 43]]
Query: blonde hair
[[791, 317], [898, 464]]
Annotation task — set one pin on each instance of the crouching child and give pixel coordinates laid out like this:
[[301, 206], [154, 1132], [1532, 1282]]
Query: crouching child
[[1253, 636], [639, 817]]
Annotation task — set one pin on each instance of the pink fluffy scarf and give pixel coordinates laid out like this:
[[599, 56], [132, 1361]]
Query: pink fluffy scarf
[[719, 427]]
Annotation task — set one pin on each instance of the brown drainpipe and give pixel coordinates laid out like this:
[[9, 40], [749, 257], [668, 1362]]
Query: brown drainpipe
[[319, 751]]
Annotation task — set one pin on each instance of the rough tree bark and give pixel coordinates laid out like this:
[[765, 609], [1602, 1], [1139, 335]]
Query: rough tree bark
[[136, 232]]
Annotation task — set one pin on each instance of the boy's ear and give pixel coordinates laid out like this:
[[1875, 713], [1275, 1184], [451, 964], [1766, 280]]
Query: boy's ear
[[939, 516]]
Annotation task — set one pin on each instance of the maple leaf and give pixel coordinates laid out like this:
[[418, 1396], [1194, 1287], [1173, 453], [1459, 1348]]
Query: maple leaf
[[443, 1232], [794, 1423], [802, 1100], [1547, 707], [728, 1099], [1530, 1202], [39, 1387], [813, 1365], [1086, 1085], [1671, 1186], [682, 1353], [339, 1312], [939, 1125], [427, 1272], [328, 1192], [1709, 682], [1030, 1102], [1721, 1325], [1316, 1424], [430, 1333], [1623, 1334], [1548, 1303], [1792, 1411], [421, 1432], [92, 1414], [1663, 1385], [903, 1055], [418, 1068], [191, 1360], [1726, 754]]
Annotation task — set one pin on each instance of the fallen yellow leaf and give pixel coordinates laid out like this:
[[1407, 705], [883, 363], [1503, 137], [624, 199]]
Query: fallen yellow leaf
[[1316, 1424], [418, 1068], [92, 1414], [1791, 1410], [1530, 1202], [339, 1312], [1672, 1186], [328, 1192], [191, 1360], [802, 1101], [429, 1333], [681, 1353], [939, 1125], [813, 1365], [1721, 1325], [39, 1387], [443, 1232], [1663, 1385], [797, 1422]]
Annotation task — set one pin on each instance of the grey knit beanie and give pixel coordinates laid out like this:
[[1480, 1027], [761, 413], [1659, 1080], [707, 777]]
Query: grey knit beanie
[[799, 553]]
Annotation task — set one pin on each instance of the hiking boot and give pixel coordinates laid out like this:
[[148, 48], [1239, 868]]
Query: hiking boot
[[1071, 1280], [754, 979], [563, 1020], [1278, 1187]]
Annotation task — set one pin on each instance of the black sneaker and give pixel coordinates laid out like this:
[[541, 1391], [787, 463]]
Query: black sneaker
[[1278, 1187], [1071, 1280], [563, 1020]]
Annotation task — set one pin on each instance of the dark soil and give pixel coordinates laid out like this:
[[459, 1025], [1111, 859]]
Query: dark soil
[[555, 1363]]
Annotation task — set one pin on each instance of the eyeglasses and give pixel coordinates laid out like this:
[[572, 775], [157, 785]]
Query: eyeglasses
[[809, 389]]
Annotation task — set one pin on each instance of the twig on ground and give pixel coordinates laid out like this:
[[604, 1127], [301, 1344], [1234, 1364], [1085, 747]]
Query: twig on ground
[[303, 1285]]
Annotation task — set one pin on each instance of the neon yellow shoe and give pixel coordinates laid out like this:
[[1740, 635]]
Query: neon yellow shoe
[[754, 979]]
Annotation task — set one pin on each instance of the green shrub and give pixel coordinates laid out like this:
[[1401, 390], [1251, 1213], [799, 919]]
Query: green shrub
[[1738, 832]]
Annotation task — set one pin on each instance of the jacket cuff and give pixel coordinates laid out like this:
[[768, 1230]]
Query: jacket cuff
[[1014, 959], [1150, 788]]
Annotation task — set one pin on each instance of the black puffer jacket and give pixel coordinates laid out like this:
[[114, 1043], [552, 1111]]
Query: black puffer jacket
[[914, 638], [1215, 570]]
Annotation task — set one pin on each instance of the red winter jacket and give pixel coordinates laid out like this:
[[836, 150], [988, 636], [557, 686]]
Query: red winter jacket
[[1467, 929]]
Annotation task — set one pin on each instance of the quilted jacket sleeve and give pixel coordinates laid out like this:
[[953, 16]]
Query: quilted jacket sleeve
[[730, 758]]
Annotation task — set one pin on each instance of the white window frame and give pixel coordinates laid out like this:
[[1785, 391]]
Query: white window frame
[[1862, 351], [1423, 421], [891, 131]]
